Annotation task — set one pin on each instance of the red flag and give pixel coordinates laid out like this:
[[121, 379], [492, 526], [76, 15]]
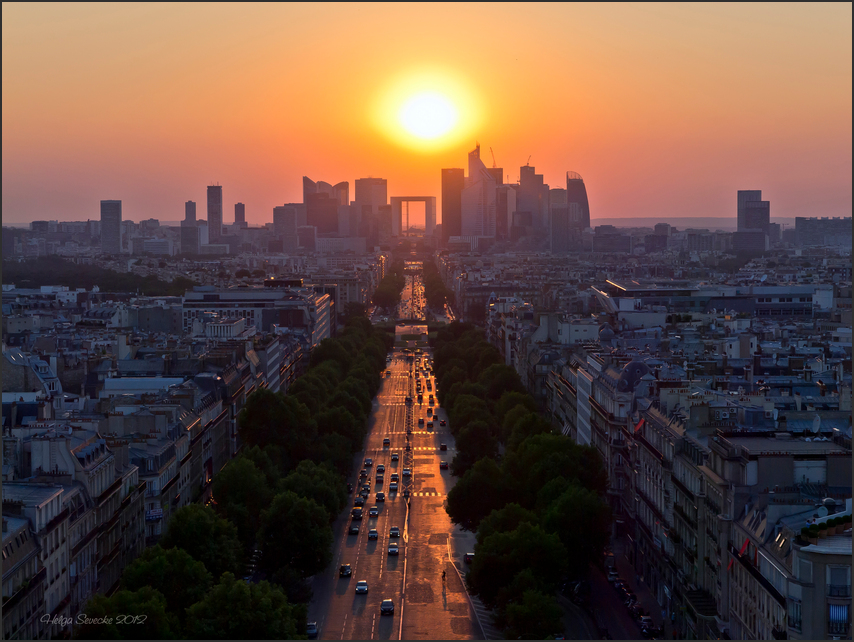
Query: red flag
[[741, 552], [638, 427]]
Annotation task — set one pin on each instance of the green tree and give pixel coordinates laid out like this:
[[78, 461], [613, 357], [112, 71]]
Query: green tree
[[235, 610], [475, 441], [295, 532], [504, 555], [511, 417], [209, 538], [477, 493], [265, 461], [582, 520], [503, 520], [261, 418], [181, 580], [241, 492], [509, 400], [145, 617], [536, 617], [528, 426], [318, 483], [499, 380]]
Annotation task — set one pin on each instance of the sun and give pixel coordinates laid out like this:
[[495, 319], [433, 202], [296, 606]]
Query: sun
[[427, 110], [428, 115]]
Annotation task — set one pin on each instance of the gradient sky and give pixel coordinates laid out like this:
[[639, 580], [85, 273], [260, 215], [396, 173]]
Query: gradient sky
[[664, 109]]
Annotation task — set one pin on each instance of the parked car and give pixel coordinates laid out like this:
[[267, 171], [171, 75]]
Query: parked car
[[613, 576]]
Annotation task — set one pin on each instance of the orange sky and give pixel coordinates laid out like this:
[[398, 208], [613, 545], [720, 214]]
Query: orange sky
[[665, 110]]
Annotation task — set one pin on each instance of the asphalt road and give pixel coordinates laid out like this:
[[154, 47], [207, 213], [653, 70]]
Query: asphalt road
[[425, 606]]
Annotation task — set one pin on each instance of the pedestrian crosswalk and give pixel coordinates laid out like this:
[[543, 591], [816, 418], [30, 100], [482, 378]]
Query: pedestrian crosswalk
[[428, 494]]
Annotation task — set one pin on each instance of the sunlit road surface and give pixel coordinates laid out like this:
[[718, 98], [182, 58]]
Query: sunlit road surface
[[425, 607]]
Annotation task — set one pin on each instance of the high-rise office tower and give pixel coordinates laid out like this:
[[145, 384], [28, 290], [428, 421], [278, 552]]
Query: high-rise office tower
[[753, 212], [371, 194], [532, 196], [239, 213], [190, 211], [505, 205], [576, 193], [453, 182], [285, 226], [478, 199], [191, 237], [559, 232], [322, 202], [339, 192], [111, 227], [214, 214], [748, 199]]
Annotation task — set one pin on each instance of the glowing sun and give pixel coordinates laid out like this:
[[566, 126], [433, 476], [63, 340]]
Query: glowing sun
[[428, 115], [427, 110]]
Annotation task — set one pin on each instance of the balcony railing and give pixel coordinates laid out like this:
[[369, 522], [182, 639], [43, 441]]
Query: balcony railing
[[838, 628], [839, 590]]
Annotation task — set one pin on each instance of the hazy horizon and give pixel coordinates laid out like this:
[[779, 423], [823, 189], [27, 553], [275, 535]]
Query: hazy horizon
[[665, 110]]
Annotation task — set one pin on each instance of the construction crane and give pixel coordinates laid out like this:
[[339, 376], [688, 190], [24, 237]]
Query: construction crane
[[529, 161], [493, 158]]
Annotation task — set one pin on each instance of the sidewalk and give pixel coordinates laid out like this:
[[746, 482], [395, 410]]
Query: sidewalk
[[645, 597]]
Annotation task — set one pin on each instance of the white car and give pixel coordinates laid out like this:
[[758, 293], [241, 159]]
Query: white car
[[361, 586]]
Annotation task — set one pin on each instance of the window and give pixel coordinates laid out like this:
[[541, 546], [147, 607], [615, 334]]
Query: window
[[837, 618]]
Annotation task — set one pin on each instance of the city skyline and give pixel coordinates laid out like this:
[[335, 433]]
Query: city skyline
[[665, 111]]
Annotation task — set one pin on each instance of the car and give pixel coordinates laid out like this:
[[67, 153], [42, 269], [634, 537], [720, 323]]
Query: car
[[311, 630], [636, 611], [429, 425], [646, 622], [395, 456], [443, 446], [387, 607], [354, 529], [468, 558], [395, 477], [349, 488], [420, 421], [379, 479], [443, 465], [442, 422], [369, 462], [356, 513], [629, 598], [394, 531], [407, 472], [386, 442], [345, 571], [361, 586], [392, 487], [374, 512], [365, 492], [613, 576], [393, 550], [381, 468], [363, 473], [429, 412], [380, 497], [373, 534], [359, 501]]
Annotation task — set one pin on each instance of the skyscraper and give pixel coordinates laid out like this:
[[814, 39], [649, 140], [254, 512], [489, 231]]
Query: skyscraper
[[453, 182], [371, 194], [214, 214], [532, 196], [285, 226], [190, 211], [753, 212], [322, 203], [239, 213], [576, 193], [478, 199], [111, 227]]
